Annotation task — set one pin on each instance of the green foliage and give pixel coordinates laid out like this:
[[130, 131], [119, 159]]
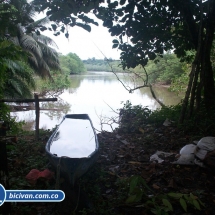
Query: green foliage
[[11, 64], [22, 30], [37, 55], [14, 127], [202, 122], [137, 187], [164, 69], [146, 29], [106, 65], [16, 77], [179, 84], [187, 199], [171, 112], [133, 117], [25, 155], [68, 13], [41, 56], [71, 64], [19, 80], [59, 82], [159, 204], [8, 17]]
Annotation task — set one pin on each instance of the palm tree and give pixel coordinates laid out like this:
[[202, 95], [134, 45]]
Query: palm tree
[[41, 57], [15, 75], [16, 70]]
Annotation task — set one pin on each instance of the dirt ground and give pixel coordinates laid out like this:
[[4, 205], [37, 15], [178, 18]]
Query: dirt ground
[[123, 180], [127, 156]]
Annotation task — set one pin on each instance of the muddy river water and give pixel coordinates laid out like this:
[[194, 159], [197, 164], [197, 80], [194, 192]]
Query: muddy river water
[[98, 94]]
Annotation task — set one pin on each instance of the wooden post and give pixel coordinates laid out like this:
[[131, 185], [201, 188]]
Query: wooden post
[[37, 112], [37, 108]]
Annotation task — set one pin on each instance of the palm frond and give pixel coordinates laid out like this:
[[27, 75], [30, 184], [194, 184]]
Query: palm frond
[[14, 40], [49, 52], [45, 73], [39, 22], [20, 82], [44, 40], [28, 43], [43, 69], [16, 88], [13, 65], [33, 60], [20, 31], [53, 65]]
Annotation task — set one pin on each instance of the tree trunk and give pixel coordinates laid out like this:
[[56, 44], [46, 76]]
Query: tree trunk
[[208, 78], [198, 97], [193, 91], [187, 94]]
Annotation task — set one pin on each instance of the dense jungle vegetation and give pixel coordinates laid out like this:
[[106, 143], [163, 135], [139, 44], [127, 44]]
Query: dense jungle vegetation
[[164, 70], [71, 64]]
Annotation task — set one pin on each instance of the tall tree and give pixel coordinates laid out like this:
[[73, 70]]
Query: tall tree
[[40, 48], [145, 29], [72, 64], [19, 27], [15, 75], [42, 57]]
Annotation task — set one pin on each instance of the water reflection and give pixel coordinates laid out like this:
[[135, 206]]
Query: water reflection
[[99, 94], [56, 109], [75, 139], [165, 96]]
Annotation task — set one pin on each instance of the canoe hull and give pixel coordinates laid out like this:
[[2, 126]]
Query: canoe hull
[[72, 168]]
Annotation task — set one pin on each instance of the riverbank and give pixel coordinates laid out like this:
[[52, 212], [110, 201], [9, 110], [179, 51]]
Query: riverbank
[[123, 180]]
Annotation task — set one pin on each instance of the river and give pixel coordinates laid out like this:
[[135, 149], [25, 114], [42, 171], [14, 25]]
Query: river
[[98, 94]]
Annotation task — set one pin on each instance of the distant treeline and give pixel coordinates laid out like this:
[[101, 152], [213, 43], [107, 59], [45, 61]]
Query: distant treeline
[[107, 65], [164, 70]]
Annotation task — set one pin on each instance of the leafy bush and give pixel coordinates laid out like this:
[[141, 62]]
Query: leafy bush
[[160, 115], [60, 82], [13, 126], [133, 117]]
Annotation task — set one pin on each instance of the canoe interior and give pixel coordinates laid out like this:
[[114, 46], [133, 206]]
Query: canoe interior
[[73, 167]]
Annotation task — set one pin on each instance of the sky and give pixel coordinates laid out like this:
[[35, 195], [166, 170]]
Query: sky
[[86, 44]]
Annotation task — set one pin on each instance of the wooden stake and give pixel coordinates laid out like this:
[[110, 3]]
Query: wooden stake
[[37, 112]]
